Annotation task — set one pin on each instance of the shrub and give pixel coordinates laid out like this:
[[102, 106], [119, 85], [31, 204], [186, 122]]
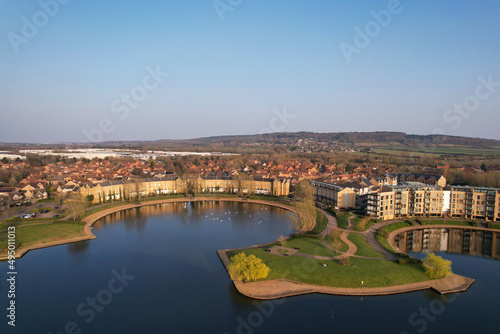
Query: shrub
[[408, 261], [436, 266], [346, 261], [247, 268], [307, 235]]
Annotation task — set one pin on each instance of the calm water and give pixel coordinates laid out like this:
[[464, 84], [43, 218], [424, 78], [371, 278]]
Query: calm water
[[177, 284]]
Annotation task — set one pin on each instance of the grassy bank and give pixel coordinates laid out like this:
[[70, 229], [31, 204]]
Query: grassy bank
[[364, 249], [374, 273], [343, 220], [36, 233], [310, 246]]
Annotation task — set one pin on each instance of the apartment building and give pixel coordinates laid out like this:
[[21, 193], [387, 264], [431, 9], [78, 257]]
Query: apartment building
[[338, 196], [119, 190], [408, 199], [475, 203]]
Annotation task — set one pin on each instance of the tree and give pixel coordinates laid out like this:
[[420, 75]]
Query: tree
[[137, 187], [436, 266], [247, 268], [483, 167], [76, 206], [192, 184], [9, 212], [5, 160], [335, 235], [245, 182], [89, 198], [304, 216], [304, 190], [282, 240], [12, 181]]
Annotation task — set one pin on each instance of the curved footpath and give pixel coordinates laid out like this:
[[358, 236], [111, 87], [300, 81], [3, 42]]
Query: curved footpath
[[281, 288], [93, 218]]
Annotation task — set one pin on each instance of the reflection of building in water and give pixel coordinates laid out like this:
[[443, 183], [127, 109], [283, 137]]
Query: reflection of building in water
[[455, 241]]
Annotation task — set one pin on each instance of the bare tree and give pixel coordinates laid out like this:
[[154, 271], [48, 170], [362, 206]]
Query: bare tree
[[76, 206], [304, 217], [192, 186], [282, 240], [245, 182]]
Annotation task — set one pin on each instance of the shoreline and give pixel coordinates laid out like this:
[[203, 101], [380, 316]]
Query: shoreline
[[93, 218]]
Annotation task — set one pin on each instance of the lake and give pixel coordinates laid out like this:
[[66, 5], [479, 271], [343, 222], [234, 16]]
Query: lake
[[155, 270]]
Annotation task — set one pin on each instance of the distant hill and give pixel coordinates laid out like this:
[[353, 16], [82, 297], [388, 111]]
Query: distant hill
[[353, 138]]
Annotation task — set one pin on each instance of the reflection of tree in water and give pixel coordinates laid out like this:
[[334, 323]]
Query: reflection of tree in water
[[76, 248]]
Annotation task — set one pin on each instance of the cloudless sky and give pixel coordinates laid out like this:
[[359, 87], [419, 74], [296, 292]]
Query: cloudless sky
[[233, 76]]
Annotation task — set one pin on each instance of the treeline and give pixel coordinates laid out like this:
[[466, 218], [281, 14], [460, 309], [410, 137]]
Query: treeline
[[487, 179]]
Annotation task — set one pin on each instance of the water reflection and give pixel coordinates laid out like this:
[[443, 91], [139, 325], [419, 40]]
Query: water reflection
[[76, 248], [450, 240]]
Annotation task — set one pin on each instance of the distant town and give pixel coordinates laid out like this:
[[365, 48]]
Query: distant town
[[380, 185]]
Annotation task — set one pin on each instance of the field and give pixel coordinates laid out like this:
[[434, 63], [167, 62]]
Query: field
[[437, 150]]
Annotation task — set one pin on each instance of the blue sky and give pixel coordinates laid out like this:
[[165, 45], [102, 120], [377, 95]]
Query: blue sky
[[66, 81]]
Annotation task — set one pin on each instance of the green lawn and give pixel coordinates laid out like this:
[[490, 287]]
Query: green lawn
[[395, 226], [343, 220], [447, 222], [374, 273], [42, 232], [362, 223], [383, 241], [310, 246], [364, 249], [343, 248], [493, 225], [321, 223], [92, 211]]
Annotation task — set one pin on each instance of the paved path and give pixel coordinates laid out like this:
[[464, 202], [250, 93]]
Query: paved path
[[371, 238]]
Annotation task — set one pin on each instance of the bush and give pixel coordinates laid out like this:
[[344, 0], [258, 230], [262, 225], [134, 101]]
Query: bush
[[247, 268], [436, 266], [409, 260], [307, 235], [346, 261]]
